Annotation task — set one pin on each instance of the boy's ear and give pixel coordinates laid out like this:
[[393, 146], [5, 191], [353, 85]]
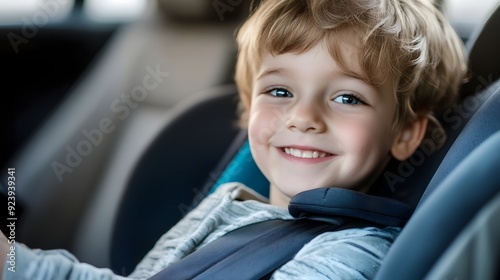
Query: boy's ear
[[409, 138]]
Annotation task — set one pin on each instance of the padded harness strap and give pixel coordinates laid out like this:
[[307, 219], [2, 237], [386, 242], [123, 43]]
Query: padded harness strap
[[325, 203], [246, 253], [257, 250]]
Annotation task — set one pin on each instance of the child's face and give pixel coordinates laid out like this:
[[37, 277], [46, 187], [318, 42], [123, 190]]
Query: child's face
[[311, 125]]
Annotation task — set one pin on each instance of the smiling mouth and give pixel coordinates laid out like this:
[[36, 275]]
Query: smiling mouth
[[298, 153]]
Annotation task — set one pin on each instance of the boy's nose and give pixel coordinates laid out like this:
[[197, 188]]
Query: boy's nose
[[306, 118]]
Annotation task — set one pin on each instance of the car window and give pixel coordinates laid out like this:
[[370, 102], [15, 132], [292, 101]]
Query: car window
[[466, 15], [41, 12], [114, 10], [34, 12]]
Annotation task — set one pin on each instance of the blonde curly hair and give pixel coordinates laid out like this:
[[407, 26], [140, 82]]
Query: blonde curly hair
[[408, 39]]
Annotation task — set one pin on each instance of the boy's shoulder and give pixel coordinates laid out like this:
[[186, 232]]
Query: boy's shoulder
[[353, 242], [368, 234], [336, 254]]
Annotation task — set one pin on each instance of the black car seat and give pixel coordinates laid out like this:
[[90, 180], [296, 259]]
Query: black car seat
[[415, 174]]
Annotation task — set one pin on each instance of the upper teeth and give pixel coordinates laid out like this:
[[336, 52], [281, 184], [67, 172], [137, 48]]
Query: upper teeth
[[304, 153]]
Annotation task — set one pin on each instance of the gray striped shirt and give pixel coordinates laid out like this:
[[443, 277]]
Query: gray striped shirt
[[347, 254]]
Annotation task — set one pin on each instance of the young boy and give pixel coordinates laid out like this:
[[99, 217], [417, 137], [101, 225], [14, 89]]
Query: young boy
[[330, 91]]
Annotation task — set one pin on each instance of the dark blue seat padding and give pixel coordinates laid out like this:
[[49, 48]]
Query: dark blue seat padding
[[455, 194], [484, 123], [443, 215]]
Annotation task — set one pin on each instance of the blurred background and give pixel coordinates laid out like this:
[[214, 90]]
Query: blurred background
[[88, 84]]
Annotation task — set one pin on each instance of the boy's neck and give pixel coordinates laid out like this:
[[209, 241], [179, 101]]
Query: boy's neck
[[277, 198]]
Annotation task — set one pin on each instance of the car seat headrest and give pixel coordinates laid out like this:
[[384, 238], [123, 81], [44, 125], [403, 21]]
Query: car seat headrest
[[484, 123]]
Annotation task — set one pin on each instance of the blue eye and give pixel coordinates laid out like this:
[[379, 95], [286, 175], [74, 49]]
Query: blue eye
[[348, 99], [280, 92]]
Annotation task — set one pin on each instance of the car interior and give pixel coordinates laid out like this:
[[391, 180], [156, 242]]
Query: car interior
[[104, 175]]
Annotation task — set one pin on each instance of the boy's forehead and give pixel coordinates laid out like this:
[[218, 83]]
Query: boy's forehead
[[282, 63]]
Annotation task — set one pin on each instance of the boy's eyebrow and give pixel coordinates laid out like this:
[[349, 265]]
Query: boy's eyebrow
[[286, 72], [273, 70]]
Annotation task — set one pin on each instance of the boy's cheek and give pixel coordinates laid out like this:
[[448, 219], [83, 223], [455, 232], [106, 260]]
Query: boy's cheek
[[263, 124], [364, 140], [363, 129]]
